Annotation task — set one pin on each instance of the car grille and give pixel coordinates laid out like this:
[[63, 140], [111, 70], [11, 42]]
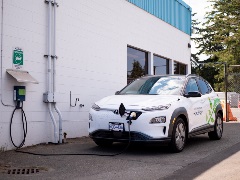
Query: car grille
[[119, 136]]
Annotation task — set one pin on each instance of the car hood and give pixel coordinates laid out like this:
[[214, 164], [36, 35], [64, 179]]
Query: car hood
[[136, 101]]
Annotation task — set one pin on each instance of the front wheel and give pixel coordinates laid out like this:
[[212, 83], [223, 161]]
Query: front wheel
[[178, 136], [218, 128]]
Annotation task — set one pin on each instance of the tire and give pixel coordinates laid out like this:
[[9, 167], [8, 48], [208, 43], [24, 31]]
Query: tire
[[178, 136], [218, 128], [103, 143]]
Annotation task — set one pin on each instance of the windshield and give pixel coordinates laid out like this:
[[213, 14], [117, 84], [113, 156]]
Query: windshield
[[155, 85]]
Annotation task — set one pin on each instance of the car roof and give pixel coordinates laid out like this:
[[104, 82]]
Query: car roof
[[171, 75]]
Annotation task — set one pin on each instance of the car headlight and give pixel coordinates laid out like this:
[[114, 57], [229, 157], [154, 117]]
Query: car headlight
[[160, 119], [156, 108], [95, 107]]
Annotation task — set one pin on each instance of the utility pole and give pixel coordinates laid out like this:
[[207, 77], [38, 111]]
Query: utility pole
[[225, 79]]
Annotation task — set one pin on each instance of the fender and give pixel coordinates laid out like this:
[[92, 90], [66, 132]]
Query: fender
[[218, 108], [177, 112]]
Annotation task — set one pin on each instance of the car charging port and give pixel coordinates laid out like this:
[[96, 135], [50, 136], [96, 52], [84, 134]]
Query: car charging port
[[132, 116]]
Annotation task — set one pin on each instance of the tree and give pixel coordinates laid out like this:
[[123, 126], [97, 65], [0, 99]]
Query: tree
[[219, 36], [206, 70], [194, 57], [137, 70]]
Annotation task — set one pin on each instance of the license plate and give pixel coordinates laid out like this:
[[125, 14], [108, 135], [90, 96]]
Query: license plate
[[113, 126]]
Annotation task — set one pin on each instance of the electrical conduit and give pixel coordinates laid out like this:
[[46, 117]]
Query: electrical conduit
[[49, 77], [54, 71]]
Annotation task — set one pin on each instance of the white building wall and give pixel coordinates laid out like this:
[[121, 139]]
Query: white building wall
[[92, 38]]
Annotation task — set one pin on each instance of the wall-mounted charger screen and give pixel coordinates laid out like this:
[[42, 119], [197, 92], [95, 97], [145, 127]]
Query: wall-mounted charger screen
[[19, 93]]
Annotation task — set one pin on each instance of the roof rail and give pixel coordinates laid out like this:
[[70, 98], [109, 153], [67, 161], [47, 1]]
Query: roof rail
[[191, 75]]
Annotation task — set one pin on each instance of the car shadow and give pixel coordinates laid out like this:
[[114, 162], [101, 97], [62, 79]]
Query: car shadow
[[142, 149]]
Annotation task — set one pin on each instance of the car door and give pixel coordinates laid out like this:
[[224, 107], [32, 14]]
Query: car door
[[196, 105], [208, 103]]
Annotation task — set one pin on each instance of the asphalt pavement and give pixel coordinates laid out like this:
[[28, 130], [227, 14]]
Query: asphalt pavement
[[201, 159]]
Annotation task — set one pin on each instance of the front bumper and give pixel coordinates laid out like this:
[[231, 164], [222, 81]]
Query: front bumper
[[125, 136], [99, 122]]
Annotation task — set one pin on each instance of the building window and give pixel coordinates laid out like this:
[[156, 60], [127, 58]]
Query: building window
[[160, 65], [180, 68], [137, 63]]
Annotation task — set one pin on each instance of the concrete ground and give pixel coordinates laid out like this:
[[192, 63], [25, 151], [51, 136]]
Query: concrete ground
[[201, 159]]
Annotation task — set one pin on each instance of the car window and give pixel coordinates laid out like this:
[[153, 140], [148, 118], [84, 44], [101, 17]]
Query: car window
[[209, 87], [155, 86], [203, 86], [191, 86]]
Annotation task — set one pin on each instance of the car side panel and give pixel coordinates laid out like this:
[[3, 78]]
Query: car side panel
[[214, 108], [196, 111]]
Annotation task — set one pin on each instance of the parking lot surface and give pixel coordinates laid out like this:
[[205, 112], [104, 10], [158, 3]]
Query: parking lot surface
[[201, 159]]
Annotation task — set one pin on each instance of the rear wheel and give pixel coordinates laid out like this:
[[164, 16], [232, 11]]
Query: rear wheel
[[103, 143], [218, 128], [178, 136]]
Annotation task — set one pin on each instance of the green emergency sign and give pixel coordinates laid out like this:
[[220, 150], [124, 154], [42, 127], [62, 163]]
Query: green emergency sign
[[17, 57]]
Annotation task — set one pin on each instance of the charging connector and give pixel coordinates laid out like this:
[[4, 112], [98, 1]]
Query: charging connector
[[132, 116]]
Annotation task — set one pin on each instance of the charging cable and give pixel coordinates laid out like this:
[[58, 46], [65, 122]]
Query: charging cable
[[24, 124], [129, 122]]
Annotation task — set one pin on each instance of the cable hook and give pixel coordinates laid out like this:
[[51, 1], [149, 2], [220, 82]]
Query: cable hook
[[77, 99]]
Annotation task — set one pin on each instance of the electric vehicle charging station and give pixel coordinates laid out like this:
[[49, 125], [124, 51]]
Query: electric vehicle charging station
[[19, 92]]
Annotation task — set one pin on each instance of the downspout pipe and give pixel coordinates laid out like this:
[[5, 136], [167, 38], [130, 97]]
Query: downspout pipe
[[49, 84], [54, 122], [54, 71], [60, 123]]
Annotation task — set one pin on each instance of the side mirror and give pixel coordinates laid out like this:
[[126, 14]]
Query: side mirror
[[193, 94], [117, 92]]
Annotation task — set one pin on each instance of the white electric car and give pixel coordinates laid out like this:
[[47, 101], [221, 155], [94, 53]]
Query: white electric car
[[158, 109]]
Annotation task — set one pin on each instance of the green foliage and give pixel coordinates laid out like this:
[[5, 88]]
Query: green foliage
[[219, 37], [137, 70]]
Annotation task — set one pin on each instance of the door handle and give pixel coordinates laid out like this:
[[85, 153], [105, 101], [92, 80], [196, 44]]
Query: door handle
[[202, 101]]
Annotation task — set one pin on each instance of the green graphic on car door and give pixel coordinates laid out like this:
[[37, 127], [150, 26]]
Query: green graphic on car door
[[210, 116]]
